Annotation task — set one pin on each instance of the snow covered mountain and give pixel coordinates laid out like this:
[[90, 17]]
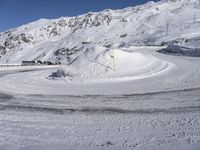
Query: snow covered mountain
[[67, 39]]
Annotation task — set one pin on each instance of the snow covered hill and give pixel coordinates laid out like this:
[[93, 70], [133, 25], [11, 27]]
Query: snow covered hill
[[67, 38], [88, 43]]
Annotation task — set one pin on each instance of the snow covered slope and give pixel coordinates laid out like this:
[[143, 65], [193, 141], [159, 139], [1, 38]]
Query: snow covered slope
[[67, 38], [88, 43]]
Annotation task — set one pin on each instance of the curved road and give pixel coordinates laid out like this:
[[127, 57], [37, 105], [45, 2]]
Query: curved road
[[148, 113]]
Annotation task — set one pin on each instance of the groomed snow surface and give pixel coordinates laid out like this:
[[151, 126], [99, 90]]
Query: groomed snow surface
[[143, 101]]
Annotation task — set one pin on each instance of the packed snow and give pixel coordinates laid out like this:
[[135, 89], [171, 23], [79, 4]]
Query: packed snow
[[128, 79]]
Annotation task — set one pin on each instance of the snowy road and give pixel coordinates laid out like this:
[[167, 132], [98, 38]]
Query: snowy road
[[155, 112]]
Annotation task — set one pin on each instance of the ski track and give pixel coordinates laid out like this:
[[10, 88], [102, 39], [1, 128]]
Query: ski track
[[153, 112]]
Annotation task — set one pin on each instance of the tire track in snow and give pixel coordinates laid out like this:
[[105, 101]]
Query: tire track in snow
[[99, 110], [120, 96]]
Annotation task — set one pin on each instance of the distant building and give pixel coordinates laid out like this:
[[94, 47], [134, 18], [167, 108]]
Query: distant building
[[34, 63], [28, 63]]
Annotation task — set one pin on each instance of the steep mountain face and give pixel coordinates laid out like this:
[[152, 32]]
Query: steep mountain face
[[68, 38]]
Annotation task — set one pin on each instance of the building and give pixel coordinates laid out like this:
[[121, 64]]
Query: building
[[34, 63], [29, 63]]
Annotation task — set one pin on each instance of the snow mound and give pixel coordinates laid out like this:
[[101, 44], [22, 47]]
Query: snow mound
[[103, 65]]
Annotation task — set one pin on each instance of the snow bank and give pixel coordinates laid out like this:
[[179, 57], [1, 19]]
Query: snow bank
[[109, 65]]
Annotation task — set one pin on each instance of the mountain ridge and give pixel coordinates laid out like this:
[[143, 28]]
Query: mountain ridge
[[154, 23]]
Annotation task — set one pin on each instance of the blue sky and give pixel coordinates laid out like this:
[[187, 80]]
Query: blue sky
[[14, 13]]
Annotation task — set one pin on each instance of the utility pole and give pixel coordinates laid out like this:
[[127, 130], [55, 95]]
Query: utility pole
[[167, 30], [196, 49], [161, 33], [194, 18]]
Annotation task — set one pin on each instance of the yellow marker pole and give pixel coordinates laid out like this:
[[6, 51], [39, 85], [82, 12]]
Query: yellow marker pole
[[113, 57]]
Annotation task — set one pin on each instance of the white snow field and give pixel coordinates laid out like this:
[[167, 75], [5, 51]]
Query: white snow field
[[155, 107], [129, 79]]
